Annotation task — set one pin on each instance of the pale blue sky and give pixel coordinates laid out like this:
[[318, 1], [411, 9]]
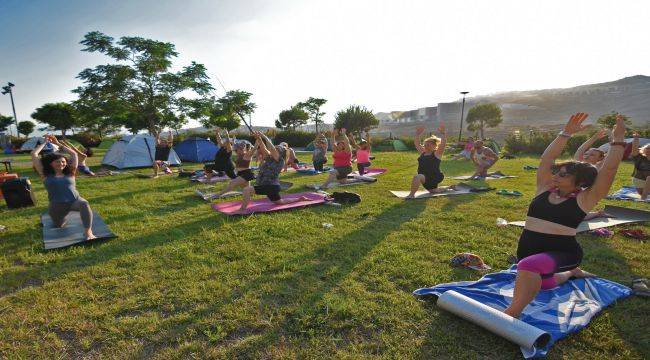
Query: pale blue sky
[[386, 55]]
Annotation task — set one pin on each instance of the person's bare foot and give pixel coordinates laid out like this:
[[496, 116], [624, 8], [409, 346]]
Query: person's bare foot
[[409, 197], [89, 235], [303, 198]]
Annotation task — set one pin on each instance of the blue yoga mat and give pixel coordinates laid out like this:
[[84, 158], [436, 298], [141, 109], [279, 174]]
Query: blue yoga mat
[[559, 312], [627, 193]]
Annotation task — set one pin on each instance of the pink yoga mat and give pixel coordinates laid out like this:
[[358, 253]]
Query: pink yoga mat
[[265, 205], [371, 172]]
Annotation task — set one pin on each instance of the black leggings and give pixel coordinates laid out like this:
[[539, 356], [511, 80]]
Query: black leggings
[[318, 164]]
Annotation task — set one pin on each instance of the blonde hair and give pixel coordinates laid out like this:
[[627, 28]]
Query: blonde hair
[[642, 148], [434, 139]]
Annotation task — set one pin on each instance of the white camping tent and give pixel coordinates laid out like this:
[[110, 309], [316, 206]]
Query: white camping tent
[[32, 142], [133, 151]]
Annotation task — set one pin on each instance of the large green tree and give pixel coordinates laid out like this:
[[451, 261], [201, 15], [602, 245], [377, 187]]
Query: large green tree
[[292, 118], [483, 115], [226, 112], [355, 119], [5, 122], [609, 120], [26, 127], [138, 90], [59, 116], [312, 107]]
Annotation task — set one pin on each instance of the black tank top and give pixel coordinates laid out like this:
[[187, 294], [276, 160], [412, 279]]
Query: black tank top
[[428, 165], [242, 163], [566, 213], [223, 158]]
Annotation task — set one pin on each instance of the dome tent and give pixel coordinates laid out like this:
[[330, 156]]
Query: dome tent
[[32, 142], [196, 150], [133, 151], [391, 145]]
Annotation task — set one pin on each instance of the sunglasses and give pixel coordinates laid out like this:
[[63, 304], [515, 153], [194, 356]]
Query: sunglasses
[[559, 173]]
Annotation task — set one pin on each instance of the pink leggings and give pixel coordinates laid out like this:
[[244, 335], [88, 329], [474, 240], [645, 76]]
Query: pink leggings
[[546, 264]]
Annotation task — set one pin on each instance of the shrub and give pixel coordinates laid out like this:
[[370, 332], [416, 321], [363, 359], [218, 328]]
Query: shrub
[[86, 139], [537, 142], [294, 138]]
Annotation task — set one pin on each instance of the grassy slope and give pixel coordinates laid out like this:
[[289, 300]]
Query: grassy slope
[[183, 280]]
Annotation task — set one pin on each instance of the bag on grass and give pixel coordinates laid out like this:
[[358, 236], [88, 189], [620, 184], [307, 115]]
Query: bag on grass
[[346, 197]]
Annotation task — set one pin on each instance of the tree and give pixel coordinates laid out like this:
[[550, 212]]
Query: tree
[[138, 91], [355, 119], [5, 122], [26, 127], [483, 115], [609, 120], [100, 117], [292, 118], [59, 116], [226, 112], [312, 107]]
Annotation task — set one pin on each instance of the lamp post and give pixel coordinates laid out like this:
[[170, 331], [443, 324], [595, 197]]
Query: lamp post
[[462, 111], [7, 90]]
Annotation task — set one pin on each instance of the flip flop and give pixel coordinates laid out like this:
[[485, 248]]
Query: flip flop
[[509, 192], [640, 287]]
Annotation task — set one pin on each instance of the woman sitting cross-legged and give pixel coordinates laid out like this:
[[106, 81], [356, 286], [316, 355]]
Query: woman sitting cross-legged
[[548, 251], [58, 175]]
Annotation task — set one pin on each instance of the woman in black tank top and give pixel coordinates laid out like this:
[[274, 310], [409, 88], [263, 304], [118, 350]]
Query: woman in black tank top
[[244, 152], [431, 151], [548, 251]]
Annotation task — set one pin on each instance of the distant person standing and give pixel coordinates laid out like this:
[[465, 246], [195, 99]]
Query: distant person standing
[[163, 148]]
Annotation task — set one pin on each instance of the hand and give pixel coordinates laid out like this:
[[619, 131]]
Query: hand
[[635, 135], [618, 132], [343, 131], [575, 123], [441, 128], [419, 130], [54, 140]]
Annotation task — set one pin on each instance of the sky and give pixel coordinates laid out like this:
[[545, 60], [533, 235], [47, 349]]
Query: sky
[[384, 55]]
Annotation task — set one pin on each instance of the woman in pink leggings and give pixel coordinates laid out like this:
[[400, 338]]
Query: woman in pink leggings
[[548, 251]]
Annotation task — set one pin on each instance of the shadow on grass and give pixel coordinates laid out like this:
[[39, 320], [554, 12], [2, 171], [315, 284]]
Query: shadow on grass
[[316, 273]]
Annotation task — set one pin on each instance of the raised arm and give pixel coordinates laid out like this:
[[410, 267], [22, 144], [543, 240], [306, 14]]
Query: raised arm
[[170, 138], [353, 142], [635, 145], [580, 153], [81, 156], [346, 140], [416, 140], [270, 148], [229, 141], [590, 197], [217, 136], [334, 133], [74, 159], [554, 149], [443, 140], [36, 160]]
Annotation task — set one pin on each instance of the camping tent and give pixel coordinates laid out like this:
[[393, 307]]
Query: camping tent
[[32, 142], [391, 145], [628, 146], [196, 150], [135, 151]]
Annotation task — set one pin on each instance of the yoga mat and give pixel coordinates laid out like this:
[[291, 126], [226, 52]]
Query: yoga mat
[[491, 176], [621, 216], [460, 190], [215, 179], [559, 311], [495, 321], [265, 205], [72, 232], [312, 171], [627, 193], [369, 172]]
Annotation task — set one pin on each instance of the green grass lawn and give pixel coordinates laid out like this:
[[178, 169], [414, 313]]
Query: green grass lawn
[[183, 281]]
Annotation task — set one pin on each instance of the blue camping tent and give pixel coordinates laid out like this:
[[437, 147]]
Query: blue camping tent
[[196, 150]]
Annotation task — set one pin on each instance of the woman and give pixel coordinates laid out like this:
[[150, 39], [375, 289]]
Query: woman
[[59, 178], [244, 153], [431, 151], [163, 148], [548, 251], [292, 159], [223, 158], [268, 175], [483, 159], [467, 150], [363, 153], [591, 155], [641, 174], [319, 156], [342, 156], [81, 157]]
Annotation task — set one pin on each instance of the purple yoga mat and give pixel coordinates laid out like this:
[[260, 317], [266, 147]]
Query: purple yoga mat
[[371, 172], [265, 205]]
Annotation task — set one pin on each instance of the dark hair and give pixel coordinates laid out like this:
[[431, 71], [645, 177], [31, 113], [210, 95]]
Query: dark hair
[[585, 174], [46, 161], [89, 152]]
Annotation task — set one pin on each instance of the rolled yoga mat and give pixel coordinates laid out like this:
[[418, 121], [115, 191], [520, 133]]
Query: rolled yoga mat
[[493, 320]]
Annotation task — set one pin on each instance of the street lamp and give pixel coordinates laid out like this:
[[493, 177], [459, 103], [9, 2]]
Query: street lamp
[[7, 90], [462, 111]]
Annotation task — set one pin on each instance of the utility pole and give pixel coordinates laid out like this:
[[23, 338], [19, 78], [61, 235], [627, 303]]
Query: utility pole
[[462, 111], [7, 90]]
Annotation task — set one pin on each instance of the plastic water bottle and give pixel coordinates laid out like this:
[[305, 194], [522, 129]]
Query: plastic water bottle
[[328, 225], [501, 222]]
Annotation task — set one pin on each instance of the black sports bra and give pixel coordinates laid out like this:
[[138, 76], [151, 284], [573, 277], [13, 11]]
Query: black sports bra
[[566, 213]]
